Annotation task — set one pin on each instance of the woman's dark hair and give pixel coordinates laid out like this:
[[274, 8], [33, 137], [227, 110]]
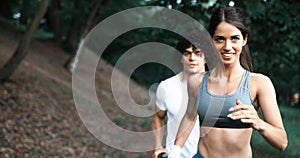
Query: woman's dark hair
[[235, 17]]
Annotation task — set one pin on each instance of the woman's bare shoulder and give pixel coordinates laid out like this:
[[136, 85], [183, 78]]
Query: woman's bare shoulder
[[260, 81], [259, 78]]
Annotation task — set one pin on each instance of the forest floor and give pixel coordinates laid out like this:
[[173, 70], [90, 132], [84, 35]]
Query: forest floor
[[38, 116]]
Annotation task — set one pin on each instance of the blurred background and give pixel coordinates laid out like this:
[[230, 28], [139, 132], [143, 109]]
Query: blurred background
[[38, 44]]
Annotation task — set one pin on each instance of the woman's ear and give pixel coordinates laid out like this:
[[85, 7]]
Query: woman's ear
[[245, 40]]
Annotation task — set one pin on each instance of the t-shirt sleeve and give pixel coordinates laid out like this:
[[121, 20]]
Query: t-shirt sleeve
[[161, 98]]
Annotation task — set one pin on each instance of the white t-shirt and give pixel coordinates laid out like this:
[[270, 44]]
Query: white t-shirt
[[172, 96]]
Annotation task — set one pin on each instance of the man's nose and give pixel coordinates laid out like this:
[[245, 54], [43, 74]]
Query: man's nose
[[192, 56]]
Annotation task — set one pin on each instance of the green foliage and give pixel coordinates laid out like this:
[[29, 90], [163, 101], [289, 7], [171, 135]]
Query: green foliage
[[69, 10], [7, 9], [139, 36], [274, 41], [17, 11], [274, 44], [274, 38], [291, 120]]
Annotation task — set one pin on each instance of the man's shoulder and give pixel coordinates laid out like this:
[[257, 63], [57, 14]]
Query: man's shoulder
[[171, 80]]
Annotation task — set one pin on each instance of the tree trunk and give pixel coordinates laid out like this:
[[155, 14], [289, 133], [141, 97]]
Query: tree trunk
[[72, 62], [72, 38], [24, 12], [89, 24], [22, 49], [55, 21]]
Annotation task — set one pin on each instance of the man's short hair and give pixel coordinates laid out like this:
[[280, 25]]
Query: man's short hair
[[183, 44]]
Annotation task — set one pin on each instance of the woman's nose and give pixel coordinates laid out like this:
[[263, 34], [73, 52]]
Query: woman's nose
[[227, 46]]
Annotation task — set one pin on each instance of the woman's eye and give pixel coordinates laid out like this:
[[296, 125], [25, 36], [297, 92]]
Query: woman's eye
[[219, 39], [235, 38]]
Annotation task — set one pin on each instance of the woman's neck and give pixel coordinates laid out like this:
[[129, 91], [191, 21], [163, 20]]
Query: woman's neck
[[231, 71], [227, 71]]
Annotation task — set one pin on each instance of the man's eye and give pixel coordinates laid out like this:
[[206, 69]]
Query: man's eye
[[198, 52], [186, 53]]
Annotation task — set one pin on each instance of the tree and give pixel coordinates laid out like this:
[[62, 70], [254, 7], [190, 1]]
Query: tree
[[55, 20], [274, 44], [273, 39], [71, 62], [22, 49], [6, 8]]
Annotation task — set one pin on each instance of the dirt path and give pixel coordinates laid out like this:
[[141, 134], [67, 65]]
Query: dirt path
[[38, 116]]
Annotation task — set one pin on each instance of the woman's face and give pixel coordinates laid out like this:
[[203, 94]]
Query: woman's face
[[229, 42]]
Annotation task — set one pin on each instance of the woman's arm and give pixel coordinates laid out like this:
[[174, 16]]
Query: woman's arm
[[189, 119], [271, 127]]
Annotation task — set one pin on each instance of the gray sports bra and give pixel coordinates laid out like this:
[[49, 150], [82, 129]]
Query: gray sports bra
[[213, 109]]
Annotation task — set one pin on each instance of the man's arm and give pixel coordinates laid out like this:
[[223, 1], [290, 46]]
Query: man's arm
[[158, 122]]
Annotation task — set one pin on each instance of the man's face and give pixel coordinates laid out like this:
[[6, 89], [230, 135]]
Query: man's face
[[193, 60]]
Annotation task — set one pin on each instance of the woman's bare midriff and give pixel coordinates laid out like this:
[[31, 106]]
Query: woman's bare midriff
[[224, 142]]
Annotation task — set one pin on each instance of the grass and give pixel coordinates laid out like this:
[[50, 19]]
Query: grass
[[291, 120]]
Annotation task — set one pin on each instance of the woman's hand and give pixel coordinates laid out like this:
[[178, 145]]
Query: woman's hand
[[247, 114]]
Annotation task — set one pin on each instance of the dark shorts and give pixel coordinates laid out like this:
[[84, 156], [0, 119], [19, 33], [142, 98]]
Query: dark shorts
[[198, 155]]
